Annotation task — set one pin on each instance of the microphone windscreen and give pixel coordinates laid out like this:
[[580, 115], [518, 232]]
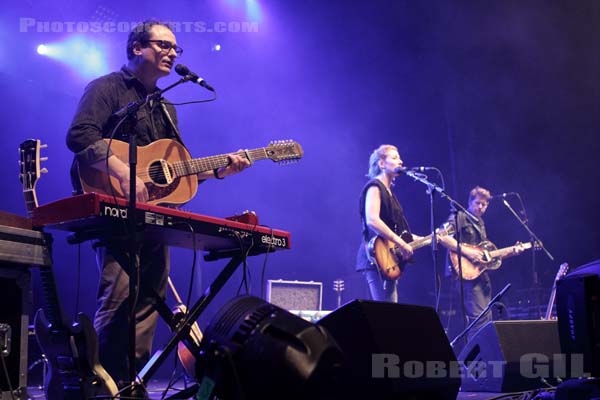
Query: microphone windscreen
[[182, 70]]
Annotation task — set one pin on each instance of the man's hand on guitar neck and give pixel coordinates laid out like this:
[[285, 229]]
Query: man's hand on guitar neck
[[236, 164]]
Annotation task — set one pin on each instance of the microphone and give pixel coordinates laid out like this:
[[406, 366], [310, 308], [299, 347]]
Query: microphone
[[404, 170], [421, 169], [504, 195], [189, 75]]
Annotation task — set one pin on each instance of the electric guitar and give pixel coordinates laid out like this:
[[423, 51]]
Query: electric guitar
[[74, 369], [562, 271], [386, 255], [72, 351], [492, 258], [168, 171]]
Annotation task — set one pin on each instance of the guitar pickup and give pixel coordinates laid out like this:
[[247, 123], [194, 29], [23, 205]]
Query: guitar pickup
[[166, 171]]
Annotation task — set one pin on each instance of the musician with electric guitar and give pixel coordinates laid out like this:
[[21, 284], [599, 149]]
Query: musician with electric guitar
[[477, 255], [386, 236]]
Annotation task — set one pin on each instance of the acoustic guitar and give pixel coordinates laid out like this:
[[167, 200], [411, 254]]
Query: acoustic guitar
[[492, 258], [386, 255], [169, 172]]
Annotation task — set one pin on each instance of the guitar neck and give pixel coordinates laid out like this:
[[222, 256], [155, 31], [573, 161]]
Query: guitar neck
[[424, 241], [31, 201], [550, 302], [198, 165], [564, 267], [53, 309], [507, 251]]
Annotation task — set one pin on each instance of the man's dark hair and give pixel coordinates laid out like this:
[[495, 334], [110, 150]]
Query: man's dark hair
[[141, 33]]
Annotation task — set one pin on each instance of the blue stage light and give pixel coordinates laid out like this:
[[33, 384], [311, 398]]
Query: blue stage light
[[42, 49], [253, 10], [87, 57]]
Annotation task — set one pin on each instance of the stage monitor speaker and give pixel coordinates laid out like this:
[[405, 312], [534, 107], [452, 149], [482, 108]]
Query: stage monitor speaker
[[510, 356], [393, 351], [578, 311]]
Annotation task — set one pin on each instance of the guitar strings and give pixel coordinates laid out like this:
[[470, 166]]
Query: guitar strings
[[208, 163]]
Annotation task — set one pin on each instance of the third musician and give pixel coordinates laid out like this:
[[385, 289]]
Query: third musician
[[478, 291]]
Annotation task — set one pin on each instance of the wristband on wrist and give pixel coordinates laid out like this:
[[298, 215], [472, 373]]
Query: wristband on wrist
[[216, 173]]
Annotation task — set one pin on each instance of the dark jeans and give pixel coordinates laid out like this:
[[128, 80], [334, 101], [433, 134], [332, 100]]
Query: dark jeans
[[478, 293], [382, 289], [112, 320]]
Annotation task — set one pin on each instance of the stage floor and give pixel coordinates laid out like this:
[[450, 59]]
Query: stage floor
[[156, 390]]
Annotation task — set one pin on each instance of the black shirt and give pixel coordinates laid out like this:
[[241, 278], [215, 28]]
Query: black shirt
[[94, 119], [391, 213], [471, 232]]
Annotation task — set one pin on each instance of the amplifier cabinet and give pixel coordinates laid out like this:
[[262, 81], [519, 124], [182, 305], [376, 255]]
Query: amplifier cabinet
[[295, 295]]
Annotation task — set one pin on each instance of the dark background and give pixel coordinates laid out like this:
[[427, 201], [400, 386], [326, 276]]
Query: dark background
[[502, 94]]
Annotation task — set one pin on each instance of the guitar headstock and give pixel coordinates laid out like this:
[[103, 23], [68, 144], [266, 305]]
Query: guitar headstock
[[284, 151], [30, 170], [537, 245], [562, 271], [338, 285]]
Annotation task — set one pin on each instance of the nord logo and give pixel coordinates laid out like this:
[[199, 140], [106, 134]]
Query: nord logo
[[115, 212]]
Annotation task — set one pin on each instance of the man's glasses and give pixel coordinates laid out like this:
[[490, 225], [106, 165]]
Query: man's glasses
[[166, 45]]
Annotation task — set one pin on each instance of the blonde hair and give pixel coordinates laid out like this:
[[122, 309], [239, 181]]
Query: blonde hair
[[378, 154]]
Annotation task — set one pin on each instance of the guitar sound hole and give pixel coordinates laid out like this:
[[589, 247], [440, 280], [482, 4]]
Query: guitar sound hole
[[156, 173]]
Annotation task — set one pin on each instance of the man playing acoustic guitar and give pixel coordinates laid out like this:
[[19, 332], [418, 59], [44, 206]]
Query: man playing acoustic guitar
[[151, 52], [477, 291]]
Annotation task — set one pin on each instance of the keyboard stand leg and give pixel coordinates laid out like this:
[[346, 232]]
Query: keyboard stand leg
[[160, 356]]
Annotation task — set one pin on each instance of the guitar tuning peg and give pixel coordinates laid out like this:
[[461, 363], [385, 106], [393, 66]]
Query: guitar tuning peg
[[43, 146], [43, 158], [44, 170]]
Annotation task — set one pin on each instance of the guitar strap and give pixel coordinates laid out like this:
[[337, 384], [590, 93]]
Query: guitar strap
[[462, 218]]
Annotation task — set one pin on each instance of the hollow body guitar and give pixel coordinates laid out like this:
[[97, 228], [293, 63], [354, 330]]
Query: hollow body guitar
[[170, 173], [386, 255], [492, 258]]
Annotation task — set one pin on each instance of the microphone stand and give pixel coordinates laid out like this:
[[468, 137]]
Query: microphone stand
[[431, 188], [127, 112], [537, 242], [485, 310]]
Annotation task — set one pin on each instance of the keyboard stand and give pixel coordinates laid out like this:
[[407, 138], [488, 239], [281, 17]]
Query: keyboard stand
[[194, 313]]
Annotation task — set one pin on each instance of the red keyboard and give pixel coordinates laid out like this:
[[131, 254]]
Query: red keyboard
[[92, 215]]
